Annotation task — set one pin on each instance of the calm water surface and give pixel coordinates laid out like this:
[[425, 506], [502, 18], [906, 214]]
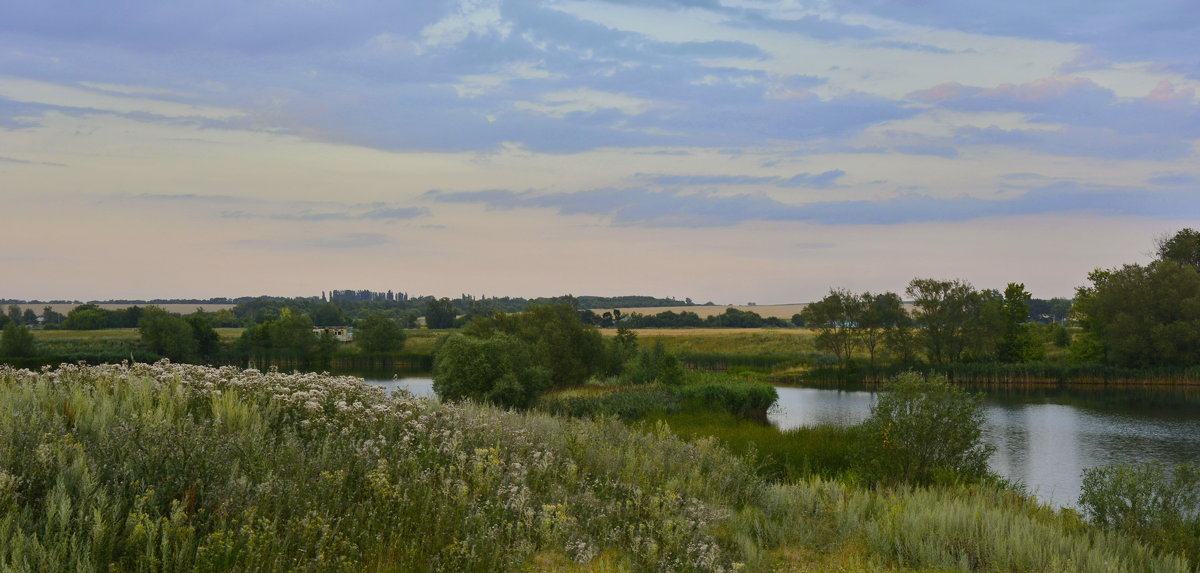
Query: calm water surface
[[1044, 445], [421, 387]]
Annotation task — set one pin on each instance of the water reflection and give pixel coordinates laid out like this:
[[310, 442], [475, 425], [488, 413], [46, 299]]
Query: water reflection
[[419, 387], [1044, 445]]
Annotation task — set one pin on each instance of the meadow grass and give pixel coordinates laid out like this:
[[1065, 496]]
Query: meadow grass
[[777, 455], [185, 468]]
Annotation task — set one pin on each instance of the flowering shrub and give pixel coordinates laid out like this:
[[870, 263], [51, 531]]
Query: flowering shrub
[[178, 467]]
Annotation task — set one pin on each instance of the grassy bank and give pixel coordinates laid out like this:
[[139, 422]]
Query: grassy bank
[[180, 468]]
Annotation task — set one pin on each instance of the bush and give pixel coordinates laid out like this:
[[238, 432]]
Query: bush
[[923, 430], [1157, 504], [498, 370], [17, 341]]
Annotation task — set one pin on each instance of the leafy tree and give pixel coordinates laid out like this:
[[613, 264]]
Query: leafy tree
[[566, 347], [1019, 341], [1183, 247], [878, 315], [923, 430], [1142, 316], [4, 320], [944, 310], [655, 365], [49, 316], [835, 317], [498, 369], [207, 341], [293, 335], [1157, 504], [329, 314], [619, 350], [734, 318], [440, 313], [86, 317], [167, 335], [378, 333], [29, 318], [17, 341], [798, 319], [14, 313]]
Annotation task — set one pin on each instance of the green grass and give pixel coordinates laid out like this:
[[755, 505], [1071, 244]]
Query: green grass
[[185, 468], [782, 456]]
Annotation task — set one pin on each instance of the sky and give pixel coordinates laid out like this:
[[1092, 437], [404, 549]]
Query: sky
[[720, 150]]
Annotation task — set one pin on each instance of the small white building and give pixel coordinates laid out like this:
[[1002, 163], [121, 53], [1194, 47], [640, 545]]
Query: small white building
[[340, 333]]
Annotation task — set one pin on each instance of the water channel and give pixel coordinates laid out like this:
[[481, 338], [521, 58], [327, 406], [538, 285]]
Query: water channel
[[1042, 441]]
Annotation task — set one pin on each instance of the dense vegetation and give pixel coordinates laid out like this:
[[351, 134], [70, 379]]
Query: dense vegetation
[[180, 468]]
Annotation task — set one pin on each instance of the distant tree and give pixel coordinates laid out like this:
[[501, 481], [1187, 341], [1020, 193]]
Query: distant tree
[[440, 313], [498, 369], [878, 315], [1183, 247], [376, 333], [619, 350], [655, 365], [944, 313], [835, 318], [292, 334], [86, 317], [16, 341], [4, 320], [29, 317], [49, 316], [1142, 316], [14, 313], [128, 317], [1019, 341], [798, 320], [924, 430], [735, 318], [167, 335], [566, 347], [329, 314], [207, 341]]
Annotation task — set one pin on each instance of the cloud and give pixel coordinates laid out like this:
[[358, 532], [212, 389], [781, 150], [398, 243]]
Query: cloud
[[686, 180], [15, 161], [1174, 179], [337, 242], [310, 211], [673, 208], [442, 76], [1163, 31], [915, 47], [933, 149], [376, 214], [816, 181], [1082, 118], [1078, 142], [823, 180]]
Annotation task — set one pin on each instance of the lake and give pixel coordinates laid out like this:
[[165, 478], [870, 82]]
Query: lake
[[1045, 443], [1042, 441]]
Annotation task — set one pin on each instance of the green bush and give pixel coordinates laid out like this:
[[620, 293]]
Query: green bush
[[1157, 504], [498, 370], [16, 341], [923, 430]]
